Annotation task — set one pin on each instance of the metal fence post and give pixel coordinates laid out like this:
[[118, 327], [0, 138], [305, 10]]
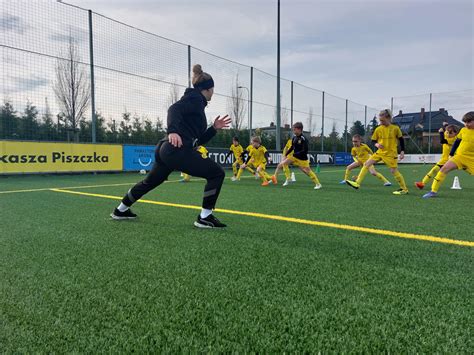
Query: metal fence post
[[278, 102], [91, 59], [322, 125], [365, 118], [345, 130], [291, 112], [189, 66], [429, 126], [251, 104]]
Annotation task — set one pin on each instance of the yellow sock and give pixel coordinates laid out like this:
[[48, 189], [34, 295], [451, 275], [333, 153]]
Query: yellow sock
[[438, 180], [401, 181], [346, 174], [362, 174], [381, 177], [239, 173], [234, 168], [263, 175], [286, 169], [431, 174], [313, 177]]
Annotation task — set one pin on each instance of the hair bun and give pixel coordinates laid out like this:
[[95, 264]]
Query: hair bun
[[197, 69]]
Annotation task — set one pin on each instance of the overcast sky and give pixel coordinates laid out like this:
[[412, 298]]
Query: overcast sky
[[366, 51]]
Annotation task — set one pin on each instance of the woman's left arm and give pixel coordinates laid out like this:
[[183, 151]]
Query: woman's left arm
[[219, 123]]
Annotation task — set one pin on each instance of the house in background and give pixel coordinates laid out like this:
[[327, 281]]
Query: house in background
[[416, 124]]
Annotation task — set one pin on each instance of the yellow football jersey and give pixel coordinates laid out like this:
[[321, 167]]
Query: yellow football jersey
[[447, 147], [361, 153], [237, 150], [466, 147], [258, 155], [388, 137]]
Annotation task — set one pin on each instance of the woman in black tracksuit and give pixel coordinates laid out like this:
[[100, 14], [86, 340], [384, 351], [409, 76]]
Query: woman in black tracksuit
[[187, 129]]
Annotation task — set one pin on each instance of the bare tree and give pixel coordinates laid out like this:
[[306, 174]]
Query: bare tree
[[173, 94], [72, 87], [236, 104]]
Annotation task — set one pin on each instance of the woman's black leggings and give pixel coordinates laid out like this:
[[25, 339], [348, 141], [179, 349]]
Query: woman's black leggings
[[187, 160]]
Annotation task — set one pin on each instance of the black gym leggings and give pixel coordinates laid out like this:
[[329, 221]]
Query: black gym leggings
[[187, 160]]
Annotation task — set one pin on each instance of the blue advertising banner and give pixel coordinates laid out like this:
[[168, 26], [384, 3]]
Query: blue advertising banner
[[343, 159], [138, 157]]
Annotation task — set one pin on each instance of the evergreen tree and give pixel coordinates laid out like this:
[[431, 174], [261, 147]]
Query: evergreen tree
[[28, 122], [125, 128], [47, 130], [357, 128], [8, 121]]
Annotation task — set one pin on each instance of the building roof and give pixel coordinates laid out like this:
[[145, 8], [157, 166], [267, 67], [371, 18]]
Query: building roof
[[419, 121]]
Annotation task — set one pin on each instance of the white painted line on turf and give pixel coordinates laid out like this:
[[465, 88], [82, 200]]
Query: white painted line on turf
[[125, 184]]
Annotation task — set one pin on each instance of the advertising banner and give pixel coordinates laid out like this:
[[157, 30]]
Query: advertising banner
[[138, 157], [38, 157]]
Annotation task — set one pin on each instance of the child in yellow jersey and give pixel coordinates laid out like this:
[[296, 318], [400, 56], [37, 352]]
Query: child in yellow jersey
[[448, 134], [258, 157], [299, 148], [248, 150], [286, 169], [386, 137], [201, 149], [238, 152], [461, 155], [361, 153]]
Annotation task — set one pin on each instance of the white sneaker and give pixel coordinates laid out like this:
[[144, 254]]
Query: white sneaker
[[387, 184], [318, 186], [233, 178], [286, 183], [293, 178]]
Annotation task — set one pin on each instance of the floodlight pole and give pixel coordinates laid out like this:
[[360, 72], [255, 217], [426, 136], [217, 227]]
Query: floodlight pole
[[278, 103]]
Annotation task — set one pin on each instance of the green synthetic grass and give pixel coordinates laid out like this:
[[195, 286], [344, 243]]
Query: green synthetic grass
[[72, 280]]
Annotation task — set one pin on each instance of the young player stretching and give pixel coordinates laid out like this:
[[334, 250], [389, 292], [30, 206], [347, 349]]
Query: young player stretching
[[289, 176], [462, 155], [238, 152], [447, 137], [258, 157], [361, 153], [298, 156], [385, 136]]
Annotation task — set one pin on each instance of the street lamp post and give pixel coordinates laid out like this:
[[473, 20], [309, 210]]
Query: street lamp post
[[249, 113]]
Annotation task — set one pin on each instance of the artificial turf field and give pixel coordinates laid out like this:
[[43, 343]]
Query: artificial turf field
[[73, 280]]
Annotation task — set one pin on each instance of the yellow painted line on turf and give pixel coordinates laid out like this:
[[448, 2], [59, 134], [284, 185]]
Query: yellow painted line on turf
[[294, 220]]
